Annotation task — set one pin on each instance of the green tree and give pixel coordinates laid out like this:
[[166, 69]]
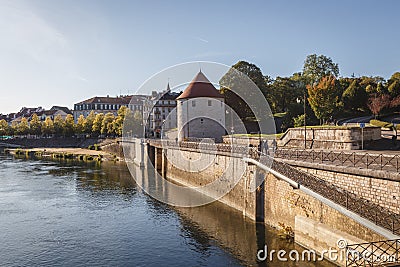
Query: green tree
[[323, 97], [58, 125], [394, 84], [97, 123], [318, 66], [5, 129], [88, 124], [107, 126], [283, 92], [48, 127], [354, 97], [35, 125], [234, 84], [69, 125], [79, 126]]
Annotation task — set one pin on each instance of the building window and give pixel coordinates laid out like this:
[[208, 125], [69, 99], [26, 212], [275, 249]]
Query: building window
[[193, 103], [209, 103]]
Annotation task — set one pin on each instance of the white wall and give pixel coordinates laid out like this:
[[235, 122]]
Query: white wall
[[201, 117]]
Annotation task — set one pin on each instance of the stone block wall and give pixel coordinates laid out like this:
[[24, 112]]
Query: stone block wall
[[191, 168], [385, 193]]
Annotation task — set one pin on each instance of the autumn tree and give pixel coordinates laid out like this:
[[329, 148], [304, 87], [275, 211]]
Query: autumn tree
[[323, 97], [48, 127], [119, 120], [58, 125], [107, 125], [79, 126], [69, 126], [5, 129], [88, 124], [97, 123], [377, 103], [35, 125], [23, 127]]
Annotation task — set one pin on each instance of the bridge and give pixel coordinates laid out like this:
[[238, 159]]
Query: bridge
[[383, 223]]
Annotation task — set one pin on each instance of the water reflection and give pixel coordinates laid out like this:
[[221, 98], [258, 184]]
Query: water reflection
[[75, 213]]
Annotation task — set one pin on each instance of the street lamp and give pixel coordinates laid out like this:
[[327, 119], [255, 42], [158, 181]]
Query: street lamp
[[305, 125]]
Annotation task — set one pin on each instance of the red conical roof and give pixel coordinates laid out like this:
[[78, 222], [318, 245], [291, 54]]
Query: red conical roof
[[200, 86]]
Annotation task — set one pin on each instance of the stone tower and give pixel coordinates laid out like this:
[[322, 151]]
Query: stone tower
[[200, 111]]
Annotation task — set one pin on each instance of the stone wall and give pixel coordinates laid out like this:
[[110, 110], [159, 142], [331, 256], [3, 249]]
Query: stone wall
[[385, 193], [283, 204], [208, 168], [342, 138]]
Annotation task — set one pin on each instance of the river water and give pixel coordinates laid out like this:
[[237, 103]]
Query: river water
[[64, 213]]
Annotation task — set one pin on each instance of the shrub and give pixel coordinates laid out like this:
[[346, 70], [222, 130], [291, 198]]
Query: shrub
[[382, 124]]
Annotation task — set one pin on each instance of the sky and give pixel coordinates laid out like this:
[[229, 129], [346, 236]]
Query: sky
[[62, 52]]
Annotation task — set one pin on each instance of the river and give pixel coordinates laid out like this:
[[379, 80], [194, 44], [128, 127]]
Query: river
[[68, 213]]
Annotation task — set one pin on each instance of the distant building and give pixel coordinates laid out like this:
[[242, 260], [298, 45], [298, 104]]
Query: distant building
[[53, 112], [108, 104], [23, 113], [160, 112], [201, 111]]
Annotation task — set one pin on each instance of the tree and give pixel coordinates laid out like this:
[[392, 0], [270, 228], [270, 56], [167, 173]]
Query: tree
[[377, 103], [97, 123], [69, 125], [323, 97], [107, 125], [354, 96], [48, 127], [35, 125], [58, 125], [133, 124], [88, 124], [318, 66], [79, 126], [5, 129], [119, 120], [235, 84], [283, 92], [23, 127], [394, 84]]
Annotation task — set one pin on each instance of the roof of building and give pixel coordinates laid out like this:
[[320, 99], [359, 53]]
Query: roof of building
[[200, 86], [65, 109], [119, 100]]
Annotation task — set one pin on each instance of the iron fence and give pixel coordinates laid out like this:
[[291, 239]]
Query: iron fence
[[343, 158], [380, 253]]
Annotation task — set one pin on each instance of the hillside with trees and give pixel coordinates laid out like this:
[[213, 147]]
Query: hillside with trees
[[328, 96]]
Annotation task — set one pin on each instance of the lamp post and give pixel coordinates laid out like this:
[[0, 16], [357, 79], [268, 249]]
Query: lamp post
[[305, 125], [298, 100]]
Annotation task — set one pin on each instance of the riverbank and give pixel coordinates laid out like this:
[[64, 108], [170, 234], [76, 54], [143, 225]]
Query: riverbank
[[65, 153]]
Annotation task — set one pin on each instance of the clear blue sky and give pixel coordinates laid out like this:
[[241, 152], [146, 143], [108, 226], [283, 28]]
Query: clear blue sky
[[61, 52]]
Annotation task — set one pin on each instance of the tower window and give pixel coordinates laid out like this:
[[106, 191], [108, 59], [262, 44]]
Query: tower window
[[209, 103], [193, 103]]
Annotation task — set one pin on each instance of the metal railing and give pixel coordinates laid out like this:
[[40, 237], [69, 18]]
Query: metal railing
[[380, 253], [343, 158]]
